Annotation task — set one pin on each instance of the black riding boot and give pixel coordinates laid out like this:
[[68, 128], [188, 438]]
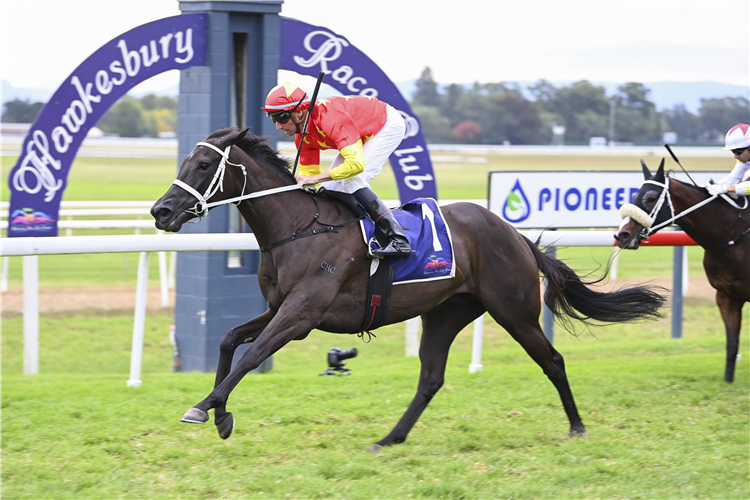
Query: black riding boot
[[385, 222]]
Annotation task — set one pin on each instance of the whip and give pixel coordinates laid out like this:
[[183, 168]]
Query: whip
[[678, 162], [307, 119]]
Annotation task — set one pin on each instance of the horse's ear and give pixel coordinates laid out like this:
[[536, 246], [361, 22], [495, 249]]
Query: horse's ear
[[234, 137], [244, 131], [660, 173], [646, 172]]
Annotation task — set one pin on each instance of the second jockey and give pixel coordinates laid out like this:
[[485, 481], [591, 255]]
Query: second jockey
[[737, 182], [364, 131]]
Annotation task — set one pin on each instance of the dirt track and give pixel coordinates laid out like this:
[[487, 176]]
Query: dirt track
[[84, 298], [124, 298]]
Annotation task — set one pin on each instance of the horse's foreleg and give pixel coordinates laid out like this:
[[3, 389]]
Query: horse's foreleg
[[439, 328], [282, 329], [247, 332], [731, 313]]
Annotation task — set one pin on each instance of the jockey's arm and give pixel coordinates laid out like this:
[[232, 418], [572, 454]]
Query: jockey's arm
[[742, 188], [354, 164], [733, 182]]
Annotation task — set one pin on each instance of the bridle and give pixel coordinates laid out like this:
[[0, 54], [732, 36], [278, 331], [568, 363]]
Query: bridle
[[629, 210], [201, 207]]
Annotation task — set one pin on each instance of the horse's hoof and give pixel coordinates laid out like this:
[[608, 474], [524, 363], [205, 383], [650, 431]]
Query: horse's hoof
[[579, 433], [226, 426], [195, 416], [375, 448]]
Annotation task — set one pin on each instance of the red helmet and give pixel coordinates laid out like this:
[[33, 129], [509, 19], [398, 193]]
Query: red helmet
[[286, 97]]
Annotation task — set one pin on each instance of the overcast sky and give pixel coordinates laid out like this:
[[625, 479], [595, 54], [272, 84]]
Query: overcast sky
[[42, 42]]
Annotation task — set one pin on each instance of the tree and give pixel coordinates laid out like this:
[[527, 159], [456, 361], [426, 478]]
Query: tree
[[635, 96], [18, 111], [468, 132], [450, 107], [153, 102], [427, 93], [435, 127], [583, 107], [719, 115], [686, 125], [128, 119]]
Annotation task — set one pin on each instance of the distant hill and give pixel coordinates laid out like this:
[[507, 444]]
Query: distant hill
[[43, 94], [664, 94]]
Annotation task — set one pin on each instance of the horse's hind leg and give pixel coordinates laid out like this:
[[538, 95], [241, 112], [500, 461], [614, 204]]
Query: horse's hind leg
[[532, 339], [521, 320], [731, 313], [439, 328]]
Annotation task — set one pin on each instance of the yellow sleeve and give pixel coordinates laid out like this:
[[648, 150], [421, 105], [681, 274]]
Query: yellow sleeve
[[354, 162]]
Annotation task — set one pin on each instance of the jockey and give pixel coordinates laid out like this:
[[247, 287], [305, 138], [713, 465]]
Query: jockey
[[738, 181], [364, 130]]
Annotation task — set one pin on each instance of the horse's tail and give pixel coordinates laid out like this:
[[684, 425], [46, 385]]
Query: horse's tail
[[569, 297]]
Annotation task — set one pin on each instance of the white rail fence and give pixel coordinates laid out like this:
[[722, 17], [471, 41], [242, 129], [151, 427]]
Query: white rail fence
[[31, 248]]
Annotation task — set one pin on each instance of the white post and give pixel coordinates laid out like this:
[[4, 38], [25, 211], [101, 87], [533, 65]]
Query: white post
[[685, 277], [412, 337], [476, 349], [4, 280], [31, 315], [615, 261], [172, 269], [163, 279], [139, 321]]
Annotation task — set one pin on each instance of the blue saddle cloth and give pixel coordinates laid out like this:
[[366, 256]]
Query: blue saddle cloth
[[430, 240]]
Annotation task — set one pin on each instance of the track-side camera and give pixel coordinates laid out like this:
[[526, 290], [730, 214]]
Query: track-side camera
[[336, 359]]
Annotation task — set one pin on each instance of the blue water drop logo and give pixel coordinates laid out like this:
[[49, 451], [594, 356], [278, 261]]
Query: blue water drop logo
[[516, 207]]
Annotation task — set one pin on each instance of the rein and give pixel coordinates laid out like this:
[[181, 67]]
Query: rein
[[200, 209]]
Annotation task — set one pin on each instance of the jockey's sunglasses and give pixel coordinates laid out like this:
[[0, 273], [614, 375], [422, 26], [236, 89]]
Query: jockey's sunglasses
[[284, 116], [738, 151]]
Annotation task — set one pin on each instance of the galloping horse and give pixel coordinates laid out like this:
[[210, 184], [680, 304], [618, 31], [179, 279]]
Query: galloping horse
[[719, 226], [497, 270]]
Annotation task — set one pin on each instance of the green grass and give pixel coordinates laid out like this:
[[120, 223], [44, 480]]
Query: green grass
[[661, 422]]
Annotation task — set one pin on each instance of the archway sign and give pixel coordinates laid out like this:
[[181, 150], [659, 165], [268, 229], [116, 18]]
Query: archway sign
[[38, 179], [308, 49]]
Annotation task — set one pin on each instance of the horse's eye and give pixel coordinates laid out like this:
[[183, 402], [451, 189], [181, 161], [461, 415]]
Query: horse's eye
[[204, 165]]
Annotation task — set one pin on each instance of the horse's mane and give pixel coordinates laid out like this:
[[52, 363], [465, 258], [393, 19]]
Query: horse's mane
[[688, 184], [258, 149]]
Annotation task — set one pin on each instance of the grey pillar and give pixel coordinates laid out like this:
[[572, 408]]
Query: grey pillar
[[548, 319], [216, 291], [677, 299]]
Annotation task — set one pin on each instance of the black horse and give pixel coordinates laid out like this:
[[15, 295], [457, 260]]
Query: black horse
[[497, 271], [718, 224]]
